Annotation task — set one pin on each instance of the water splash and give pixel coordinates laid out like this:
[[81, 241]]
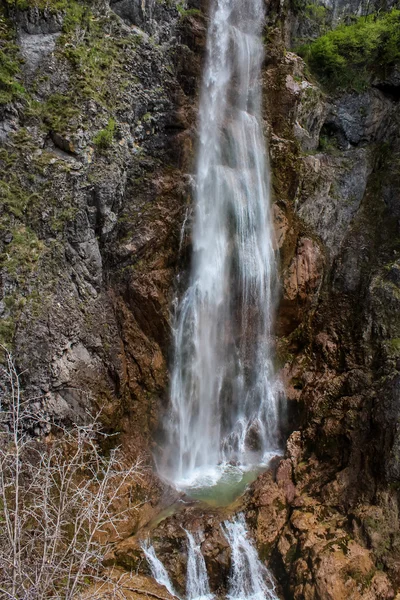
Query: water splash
[[197, 587], [158, 571], [249, 579], [224, 393]]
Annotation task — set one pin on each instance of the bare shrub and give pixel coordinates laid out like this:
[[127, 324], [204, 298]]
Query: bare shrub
[[57, 502]]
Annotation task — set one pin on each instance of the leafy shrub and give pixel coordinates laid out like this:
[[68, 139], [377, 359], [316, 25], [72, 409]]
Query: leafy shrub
[[350, 55]]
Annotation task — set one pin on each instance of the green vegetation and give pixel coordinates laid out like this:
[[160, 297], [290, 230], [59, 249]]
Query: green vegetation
[[26, 195], [23, 252], [58, 113], [10, 64], [393, 346], [104, 138], [318, 14], [51, 5], [96, 54], [191, 12], [350, 55], [328, 144], [97, 58]]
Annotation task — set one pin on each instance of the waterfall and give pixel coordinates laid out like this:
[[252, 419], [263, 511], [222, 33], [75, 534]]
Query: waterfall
[[158, 571], [197, 587], [224, 394], [250, 579]]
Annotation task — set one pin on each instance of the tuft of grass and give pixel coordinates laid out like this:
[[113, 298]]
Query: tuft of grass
[[104, 138], [350, 55]]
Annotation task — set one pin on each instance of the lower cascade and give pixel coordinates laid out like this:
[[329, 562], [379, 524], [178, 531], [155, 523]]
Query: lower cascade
[[197, 587], [249, 578], [158, 571]]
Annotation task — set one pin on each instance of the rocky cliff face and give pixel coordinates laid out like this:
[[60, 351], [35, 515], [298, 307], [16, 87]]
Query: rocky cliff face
[[94, 160], [336, 184], [97, 133]]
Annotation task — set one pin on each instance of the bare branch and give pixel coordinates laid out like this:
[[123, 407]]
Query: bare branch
[[57, 501]]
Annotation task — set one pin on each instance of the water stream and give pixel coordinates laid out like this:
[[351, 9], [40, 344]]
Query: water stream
[[224, 393], [158, 571], [223, 423], [197, 587], [249, 578]]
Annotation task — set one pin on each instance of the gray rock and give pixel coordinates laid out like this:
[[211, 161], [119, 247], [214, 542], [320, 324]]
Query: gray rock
[[39, 22], [151, 16], [35, 47], [337, 197], [360, 118], [6, 127]]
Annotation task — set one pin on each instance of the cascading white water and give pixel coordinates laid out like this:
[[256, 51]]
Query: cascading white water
[[224, 395], [250, 579], [158, 570], [197, 587]]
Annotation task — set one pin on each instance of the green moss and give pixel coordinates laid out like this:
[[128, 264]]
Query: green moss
[[19, 260], [350, 55], [338, 543], [363, 579], [14, 197], [94, 50], [328, 145], [97, 57], [59, 112], [7, 328], [292, 554]]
